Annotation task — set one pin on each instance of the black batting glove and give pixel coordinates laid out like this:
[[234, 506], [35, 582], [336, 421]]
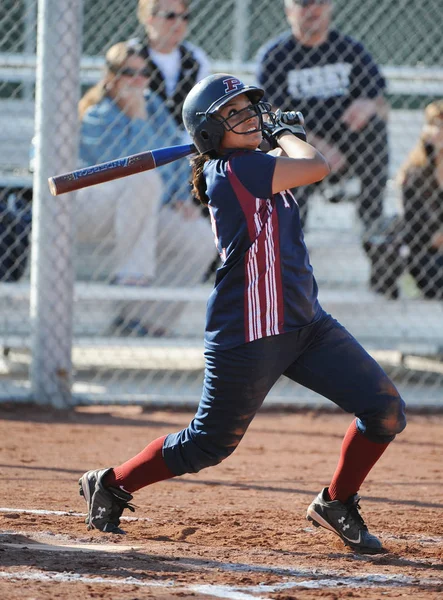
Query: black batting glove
[[269, 143], [285, 122]]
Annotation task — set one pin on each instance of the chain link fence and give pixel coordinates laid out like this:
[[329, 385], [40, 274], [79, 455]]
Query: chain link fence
[[103, 291]]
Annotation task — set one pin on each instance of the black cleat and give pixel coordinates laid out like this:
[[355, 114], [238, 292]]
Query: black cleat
[[344, 520], [105, 505]]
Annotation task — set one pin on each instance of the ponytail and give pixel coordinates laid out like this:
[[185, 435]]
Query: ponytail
[[198, 179]]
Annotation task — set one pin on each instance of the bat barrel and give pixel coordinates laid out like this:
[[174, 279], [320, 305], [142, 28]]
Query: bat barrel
[[115, 169]]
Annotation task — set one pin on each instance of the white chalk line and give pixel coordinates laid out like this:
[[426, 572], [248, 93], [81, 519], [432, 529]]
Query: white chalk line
[[233, 592], [65, 543], [66, 548], [415, 537], [60, 513], [313, 579]]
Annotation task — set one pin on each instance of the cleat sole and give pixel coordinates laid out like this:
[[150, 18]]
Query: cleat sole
[[311, 520]]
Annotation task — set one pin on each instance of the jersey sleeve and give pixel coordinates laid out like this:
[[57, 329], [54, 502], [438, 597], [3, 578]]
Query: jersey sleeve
[[255, 171]]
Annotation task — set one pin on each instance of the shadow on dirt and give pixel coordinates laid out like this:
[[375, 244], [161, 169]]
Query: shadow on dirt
[[287, 490], [114, 416]]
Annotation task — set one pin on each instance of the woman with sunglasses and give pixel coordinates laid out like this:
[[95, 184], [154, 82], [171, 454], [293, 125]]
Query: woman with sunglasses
[[263, 317], [120, 117], [176, 64]]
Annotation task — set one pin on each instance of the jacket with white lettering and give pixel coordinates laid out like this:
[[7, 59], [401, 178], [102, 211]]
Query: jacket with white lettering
[[265, 285], [321, 81]]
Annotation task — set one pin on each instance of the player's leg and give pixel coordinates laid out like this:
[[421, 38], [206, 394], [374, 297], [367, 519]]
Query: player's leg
[[236, 383], [336, 366]]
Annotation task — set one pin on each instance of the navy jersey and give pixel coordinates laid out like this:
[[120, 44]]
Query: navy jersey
[[321, 81], [265, 285]]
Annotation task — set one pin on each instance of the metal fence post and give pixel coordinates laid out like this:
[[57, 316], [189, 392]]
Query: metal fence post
[[29, 34], [240, 33], [51, 303]]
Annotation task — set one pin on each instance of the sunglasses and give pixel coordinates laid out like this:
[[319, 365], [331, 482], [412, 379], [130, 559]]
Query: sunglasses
[[128, 72], [171, 15], [305, 3]]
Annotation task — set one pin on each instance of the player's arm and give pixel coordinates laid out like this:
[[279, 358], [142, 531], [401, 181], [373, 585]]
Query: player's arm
[[299, 163], [302, 165], [277, 152]]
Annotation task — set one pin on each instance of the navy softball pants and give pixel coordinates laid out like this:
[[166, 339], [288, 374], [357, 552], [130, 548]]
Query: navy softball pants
[[323, 357]]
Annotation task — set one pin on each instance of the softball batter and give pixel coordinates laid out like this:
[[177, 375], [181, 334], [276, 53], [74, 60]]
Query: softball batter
[[263, 317]]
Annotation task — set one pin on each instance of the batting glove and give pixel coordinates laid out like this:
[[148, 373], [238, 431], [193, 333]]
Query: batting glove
[[283, 122]]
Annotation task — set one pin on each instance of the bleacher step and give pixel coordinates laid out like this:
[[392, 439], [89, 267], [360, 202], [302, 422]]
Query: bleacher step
[[371, 318]]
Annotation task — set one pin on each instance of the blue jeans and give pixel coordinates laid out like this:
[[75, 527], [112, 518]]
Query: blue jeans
[[323, 357]]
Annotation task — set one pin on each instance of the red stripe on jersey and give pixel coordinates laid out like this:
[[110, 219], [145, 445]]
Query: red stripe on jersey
[[246, 199]]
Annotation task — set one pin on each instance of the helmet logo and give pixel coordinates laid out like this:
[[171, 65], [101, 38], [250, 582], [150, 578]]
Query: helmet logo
[[232, 84]]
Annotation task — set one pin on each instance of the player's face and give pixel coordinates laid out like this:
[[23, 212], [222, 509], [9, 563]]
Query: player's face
[[244, 124], [309, 20], [168, 26]]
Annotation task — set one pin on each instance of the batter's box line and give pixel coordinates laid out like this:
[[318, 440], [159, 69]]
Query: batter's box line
[[234, 592], [60, 513]]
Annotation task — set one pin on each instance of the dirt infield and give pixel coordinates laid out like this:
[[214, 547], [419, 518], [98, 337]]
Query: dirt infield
[[235, 531]]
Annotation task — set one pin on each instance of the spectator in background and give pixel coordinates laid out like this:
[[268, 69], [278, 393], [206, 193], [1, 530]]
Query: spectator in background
[[155, 242], [114, 123], [337, 86], [176, 64], [421, 183]]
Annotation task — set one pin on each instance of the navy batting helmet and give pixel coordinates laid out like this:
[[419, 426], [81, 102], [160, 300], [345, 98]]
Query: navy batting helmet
[[206, 98]]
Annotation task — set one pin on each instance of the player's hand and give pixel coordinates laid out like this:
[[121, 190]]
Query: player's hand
[[284, 122], [358, 114]]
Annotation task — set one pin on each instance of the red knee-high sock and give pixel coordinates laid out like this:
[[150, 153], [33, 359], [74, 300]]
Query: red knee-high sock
[[358, 456], [143, 469]]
